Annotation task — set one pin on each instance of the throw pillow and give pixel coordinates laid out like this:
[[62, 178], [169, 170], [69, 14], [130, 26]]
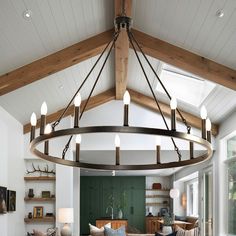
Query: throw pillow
[[172, 234], [95, 231], [115, 232], [182, 232]]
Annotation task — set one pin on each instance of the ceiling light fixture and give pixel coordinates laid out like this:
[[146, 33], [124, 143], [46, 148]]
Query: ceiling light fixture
[[27, 14], [122, 23], [220, 13]]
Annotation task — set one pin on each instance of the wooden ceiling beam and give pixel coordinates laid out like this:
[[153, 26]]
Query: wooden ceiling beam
[[94, 101], [55, 62], [150, 103], [122, 51], [186, 60]]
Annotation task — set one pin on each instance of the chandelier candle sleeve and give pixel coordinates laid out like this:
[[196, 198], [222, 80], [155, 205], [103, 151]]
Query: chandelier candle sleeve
[[191, 150], [208, 129], [47, 130], [77, 103], [117, 144], [33, 121], [77, 143], [126, 100], [203, 116], [158, 149], [43, 117], [173, 106]]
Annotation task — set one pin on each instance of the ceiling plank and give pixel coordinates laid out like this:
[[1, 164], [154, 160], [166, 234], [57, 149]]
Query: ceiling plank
[[150, 103], [122, 51], [94, 101], [55, 62], [186, 60]]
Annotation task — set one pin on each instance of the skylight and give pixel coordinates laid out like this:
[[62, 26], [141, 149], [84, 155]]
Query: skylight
[[184, 86]]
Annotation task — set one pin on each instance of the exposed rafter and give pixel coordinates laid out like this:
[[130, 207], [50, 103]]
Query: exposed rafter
[[53, 63], [149, 103], [186, 60], [93, 102], [122, 50]]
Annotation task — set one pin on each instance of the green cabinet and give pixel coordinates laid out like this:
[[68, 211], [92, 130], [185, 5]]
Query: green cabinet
[[97, 193]]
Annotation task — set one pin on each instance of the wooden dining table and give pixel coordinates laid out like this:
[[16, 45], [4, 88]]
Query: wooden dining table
[[180, 223]]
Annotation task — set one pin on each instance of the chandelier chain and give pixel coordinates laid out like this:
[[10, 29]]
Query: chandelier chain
[[116, 35], [158, 78], [153, 94]]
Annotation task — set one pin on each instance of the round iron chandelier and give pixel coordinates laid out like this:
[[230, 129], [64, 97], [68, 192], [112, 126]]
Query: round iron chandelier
[[49, 132]]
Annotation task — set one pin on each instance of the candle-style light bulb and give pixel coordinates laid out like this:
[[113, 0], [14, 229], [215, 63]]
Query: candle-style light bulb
[[44, 109], [48, 129], [158, 141], [33, 121], [77, 102], [77, 146], [78, 138], [203, 112], [208, 124], [117, 144], [173, 103], [126, 98], [173, 106], [117, 140], [158, 149]]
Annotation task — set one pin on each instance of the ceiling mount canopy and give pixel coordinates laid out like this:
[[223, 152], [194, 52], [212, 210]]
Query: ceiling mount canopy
[[49, 132]]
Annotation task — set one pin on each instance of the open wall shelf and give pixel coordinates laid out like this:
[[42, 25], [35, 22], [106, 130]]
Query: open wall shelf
[[34, 199], [39, 178], [40, 220]]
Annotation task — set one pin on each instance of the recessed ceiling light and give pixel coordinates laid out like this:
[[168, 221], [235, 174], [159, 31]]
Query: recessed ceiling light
[[61, 86], [220, 13], [27, 14]]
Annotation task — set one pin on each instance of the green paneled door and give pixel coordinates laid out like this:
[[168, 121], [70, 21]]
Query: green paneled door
[[97, 193]]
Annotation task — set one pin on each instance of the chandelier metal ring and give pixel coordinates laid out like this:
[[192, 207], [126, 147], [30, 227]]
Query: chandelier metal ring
[[122, 129]]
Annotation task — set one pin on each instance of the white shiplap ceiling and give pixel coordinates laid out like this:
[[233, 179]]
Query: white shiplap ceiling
[[56, 24]]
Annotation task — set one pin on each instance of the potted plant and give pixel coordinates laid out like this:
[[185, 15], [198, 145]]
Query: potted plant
[[121, 204]]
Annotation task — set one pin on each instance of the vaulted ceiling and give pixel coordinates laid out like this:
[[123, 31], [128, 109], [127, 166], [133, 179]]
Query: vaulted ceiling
[[46, 56]]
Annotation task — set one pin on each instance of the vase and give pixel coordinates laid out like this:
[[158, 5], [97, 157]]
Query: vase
[[167, 230], [120, 214], [31, 193]]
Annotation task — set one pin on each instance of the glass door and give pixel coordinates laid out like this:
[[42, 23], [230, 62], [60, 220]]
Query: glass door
[[208, 202]]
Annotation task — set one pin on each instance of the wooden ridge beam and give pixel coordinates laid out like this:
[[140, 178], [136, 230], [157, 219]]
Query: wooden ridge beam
[[150, 103], [94, 101], [122, 51], [186, 60], [55, 62]]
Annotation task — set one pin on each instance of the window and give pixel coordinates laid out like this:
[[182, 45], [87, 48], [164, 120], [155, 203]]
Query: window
[[192, 198], [231, 184]]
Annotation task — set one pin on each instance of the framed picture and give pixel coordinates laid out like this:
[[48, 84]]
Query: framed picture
[[3, 200], [38, 212], [46, 194], [11, 200]]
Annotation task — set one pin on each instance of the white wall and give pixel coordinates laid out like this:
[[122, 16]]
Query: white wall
[[227, 127], [12, 172]]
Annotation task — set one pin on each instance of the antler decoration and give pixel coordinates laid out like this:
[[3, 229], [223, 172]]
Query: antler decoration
[[46, 170]]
